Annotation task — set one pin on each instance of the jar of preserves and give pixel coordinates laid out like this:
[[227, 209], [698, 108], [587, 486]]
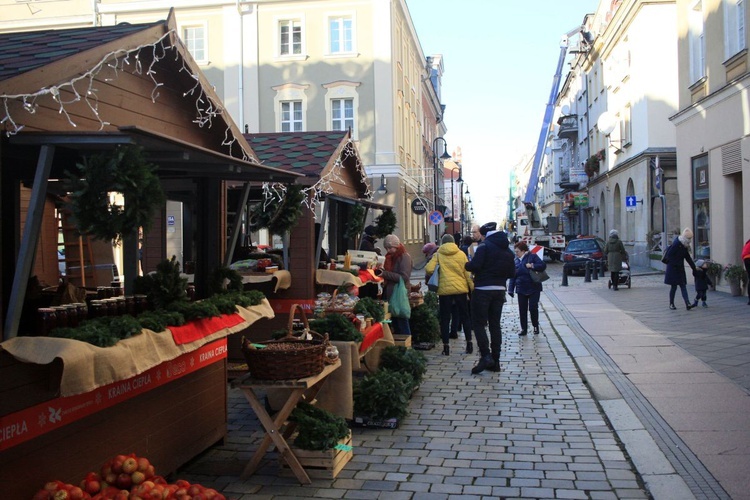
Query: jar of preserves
[[72, 311], [46, 321], [62, 316]]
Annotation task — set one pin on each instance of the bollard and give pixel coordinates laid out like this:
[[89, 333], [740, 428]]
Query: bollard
[[587, 279], [565, 276], [601, 269], [595, 271]]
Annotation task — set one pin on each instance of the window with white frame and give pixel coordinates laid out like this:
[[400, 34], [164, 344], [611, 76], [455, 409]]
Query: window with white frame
[[697, 42], [340, 35], [734, 27], [290, 37], [290, 106], [342, 102], [291, 116], [194, 37], [626, 131]]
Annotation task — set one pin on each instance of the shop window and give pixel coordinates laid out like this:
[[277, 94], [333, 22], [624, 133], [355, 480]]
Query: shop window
[[701, 213]]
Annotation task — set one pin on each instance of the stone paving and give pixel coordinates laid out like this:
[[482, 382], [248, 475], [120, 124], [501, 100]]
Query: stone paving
[[531, 431]]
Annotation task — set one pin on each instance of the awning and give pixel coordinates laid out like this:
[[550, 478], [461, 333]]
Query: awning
[[174, 158], [359, 201]]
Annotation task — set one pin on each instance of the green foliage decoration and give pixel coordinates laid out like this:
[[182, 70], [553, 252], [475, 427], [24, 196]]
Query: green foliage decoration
[[424, 324], [384, 394], [317, 429], [101, 332], [356, 223], [338, 327], [279, 216], [221, 274], [399, 358], [124, 171], [385, 223], [370, 308], [165, 286]]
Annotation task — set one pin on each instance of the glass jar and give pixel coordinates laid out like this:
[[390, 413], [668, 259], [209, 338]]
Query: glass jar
[[141, 303], [130, 305], [72, 311], [120, 305], [62, 316], [83, 311], [97, 309], [46, 321]]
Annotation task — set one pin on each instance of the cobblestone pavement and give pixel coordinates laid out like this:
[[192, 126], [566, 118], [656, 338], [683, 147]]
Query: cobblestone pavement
[[531, 431]]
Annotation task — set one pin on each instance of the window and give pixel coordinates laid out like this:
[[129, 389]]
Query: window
[[291, 116], [342, 102], [340, 30], [626, 132], [701, 219], [697, 43], [195, 41], [290, 37], [342, 114], [734, 27]]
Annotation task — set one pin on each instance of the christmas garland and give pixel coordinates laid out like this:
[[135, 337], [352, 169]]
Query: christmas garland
[[124, 171], [356, 223], [280, 214], [385, 223]]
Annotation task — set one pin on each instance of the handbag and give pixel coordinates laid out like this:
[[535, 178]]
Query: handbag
[[434, 281], [538, 276], [399, 301]]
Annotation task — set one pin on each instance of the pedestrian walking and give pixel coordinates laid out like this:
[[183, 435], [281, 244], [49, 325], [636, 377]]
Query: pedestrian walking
[[746, 259], [615, 252], [454, 286], [397, 267], [674, 276], [476, 238], [492, 267], [527, 289], [702, 282]]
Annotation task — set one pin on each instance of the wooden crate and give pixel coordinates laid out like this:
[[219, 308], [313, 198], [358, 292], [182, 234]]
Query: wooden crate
[[321, 464], [404, 340]]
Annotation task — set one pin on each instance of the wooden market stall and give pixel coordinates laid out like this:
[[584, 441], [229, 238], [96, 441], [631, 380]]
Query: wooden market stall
[[67, 95]]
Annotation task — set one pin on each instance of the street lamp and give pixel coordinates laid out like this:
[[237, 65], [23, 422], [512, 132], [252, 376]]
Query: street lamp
[[444, 156], [453, 213]]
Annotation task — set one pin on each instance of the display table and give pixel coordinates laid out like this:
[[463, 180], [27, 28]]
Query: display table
[[336, 278], [278, 430]]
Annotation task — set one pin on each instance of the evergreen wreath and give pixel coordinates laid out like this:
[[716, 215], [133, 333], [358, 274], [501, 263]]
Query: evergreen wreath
[[356, 223], [221, 274], [279, 215], [385, 223], [124, 171]]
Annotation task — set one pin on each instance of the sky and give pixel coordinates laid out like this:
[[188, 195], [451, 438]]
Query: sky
[[499, 60]]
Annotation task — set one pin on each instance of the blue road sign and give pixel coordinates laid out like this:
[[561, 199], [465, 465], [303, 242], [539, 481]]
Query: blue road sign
[[436, 218], [630, 202]]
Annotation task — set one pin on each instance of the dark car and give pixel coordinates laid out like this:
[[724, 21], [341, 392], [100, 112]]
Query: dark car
[[581, 250]]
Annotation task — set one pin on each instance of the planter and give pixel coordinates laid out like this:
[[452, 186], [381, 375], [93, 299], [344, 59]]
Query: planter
[[735, 288], [322, 464]]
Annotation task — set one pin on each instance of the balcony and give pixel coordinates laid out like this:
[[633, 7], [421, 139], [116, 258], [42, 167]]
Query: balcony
[[568, 127]]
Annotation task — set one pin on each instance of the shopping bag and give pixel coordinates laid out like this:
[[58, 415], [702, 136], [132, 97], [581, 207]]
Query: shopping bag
[[538, 276], [399, 301], [433, 282]]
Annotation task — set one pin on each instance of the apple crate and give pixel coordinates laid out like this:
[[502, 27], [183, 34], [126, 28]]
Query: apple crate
[[321, 464]]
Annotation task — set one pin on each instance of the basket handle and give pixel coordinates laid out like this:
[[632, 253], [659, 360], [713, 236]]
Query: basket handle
[[292, 310]]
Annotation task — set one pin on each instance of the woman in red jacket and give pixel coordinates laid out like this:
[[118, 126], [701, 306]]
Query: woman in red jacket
[[746, 260]]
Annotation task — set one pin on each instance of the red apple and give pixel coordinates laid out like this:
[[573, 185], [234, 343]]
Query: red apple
[[42, 495], [61, 495], [129, 465], [124, 481], [138, 477], [117, 463], [143, 463]]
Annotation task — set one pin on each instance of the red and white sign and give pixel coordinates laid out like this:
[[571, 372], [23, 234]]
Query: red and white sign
[[538, 250], [34, 421]]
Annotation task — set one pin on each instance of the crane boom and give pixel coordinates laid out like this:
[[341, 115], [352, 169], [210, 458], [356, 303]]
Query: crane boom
[[528, 200]]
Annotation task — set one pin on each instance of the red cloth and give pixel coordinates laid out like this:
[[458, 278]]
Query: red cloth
[[366, 275], [375, 332], [196, 330]]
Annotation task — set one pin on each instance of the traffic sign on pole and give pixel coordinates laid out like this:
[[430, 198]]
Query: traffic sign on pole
[[436, 218], [630, 202]]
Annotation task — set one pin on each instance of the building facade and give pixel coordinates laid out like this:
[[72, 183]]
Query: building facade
[[713, 126]]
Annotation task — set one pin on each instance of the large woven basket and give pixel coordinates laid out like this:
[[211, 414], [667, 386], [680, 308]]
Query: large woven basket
[[288, 358]]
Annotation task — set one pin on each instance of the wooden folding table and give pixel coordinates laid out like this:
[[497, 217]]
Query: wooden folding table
[[277, 429]]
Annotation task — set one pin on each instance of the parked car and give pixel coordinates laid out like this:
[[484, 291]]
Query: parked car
[[581, 250]]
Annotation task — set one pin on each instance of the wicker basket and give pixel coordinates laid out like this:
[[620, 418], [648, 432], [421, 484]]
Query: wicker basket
[[288, 358]]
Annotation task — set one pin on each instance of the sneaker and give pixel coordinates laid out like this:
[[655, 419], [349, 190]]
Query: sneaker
[[672, 307], [689, 306], [483, 363], [705, 305], [695, 304]]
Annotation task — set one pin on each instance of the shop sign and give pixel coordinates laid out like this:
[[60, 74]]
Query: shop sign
[[418, 206], [581, 200], [32, 422]]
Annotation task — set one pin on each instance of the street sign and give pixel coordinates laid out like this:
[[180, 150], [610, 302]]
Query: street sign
[[418, 206], [436, 218], [630, 203]]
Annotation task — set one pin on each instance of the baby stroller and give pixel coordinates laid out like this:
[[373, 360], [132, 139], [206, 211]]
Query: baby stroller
[[624, 277]]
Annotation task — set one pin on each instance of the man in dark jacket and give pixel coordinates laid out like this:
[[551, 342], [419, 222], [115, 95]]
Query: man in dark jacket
[[369, 240], [492, 266]]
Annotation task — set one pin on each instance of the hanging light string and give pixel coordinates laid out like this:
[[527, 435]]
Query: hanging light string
[[315, 193], [206, 108]]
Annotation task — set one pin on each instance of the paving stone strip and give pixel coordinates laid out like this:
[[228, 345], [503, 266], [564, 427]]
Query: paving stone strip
[[700, 481]]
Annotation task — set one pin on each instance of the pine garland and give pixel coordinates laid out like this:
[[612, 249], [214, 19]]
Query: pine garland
[[124, 171], [356, 223], [385, 223], [279, 215]]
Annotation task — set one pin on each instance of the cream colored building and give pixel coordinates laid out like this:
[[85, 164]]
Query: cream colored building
[[302, 65], [713, 125]]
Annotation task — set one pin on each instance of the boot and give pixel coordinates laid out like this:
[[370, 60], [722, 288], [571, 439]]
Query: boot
[[484, 363], [695, 304], [536, 330], [523, 332], [469, 347], [495, 366], [446, 349], [688, 305], [671, 306]]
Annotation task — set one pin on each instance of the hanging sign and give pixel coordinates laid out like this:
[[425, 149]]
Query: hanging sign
[[418, 206]]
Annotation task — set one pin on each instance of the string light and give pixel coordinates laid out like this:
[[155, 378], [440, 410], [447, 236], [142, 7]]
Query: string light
[[118, 61]]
